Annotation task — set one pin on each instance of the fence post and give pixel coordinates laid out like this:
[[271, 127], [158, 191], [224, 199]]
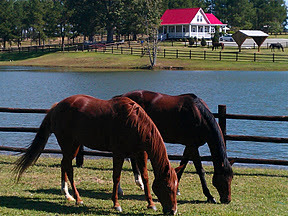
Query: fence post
[[190, 54], [204, 54], [131, 51], [273, 57], [164, 53], [177, 53], [254, 57], [222, 120], [121, 50], [112, 49], [220, 56]]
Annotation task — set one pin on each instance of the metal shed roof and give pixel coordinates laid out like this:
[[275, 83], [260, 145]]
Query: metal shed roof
[[258, 36]]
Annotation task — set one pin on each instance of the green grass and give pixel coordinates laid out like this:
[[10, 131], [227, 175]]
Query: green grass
[[254, 191], [91, 61]]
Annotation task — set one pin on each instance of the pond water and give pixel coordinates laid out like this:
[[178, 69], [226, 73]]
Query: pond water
[[244, 92]]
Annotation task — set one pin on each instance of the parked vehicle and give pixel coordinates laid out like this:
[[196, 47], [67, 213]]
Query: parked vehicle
[[227, 37]]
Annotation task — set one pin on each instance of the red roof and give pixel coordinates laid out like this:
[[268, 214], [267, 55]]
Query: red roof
[[184, 16], [212, 19], [178, 16]]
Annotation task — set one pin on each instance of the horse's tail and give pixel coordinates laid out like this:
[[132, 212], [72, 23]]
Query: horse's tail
[[35, 149]]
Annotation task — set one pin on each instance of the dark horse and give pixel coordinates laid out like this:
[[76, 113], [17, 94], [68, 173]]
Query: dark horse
[[186, 119], [118, 125], [276, 45], [215, 45]]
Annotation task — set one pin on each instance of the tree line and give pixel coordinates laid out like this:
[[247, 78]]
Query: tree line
[[39, 20]]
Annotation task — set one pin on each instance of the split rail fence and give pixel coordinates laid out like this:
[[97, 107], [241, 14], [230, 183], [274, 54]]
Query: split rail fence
[[222, 118], [136, 49]]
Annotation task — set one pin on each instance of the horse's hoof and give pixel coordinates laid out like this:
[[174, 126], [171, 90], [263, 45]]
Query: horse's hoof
[[70, 198], [178, 192], [211, 200], [118, 208], [80, 202], [152, 207]]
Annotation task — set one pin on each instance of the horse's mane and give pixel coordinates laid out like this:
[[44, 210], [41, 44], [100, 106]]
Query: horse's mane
[[216, 133], [138, 119]]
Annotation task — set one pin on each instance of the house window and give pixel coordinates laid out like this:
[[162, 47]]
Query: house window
[[178, 28], [171, 29], [206, 29], [198, 18], [194, 29], [212, 29], [185, 28], [200, 29]]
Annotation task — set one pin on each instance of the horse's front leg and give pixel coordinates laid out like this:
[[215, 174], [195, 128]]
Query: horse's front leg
[[201, 172], [179, 170], [141, 160], [117, 167]]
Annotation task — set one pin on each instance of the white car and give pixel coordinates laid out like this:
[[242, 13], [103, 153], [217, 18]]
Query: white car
[[226, 38]]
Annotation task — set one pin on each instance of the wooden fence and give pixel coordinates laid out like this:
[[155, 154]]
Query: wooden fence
[[136, 49], [221, 115]]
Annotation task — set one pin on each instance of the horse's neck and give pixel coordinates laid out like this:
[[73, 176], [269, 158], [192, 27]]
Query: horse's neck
[[218, 150]]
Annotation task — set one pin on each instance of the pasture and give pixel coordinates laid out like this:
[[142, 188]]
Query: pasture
[[254, 191]]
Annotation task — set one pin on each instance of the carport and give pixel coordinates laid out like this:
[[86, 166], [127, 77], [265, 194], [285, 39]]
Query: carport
[[258, 36]]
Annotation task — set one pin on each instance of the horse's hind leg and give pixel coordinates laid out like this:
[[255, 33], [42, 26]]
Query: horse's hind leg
[[64, 185], [117, 167], [137, 175], [141, 160], [67, 169]]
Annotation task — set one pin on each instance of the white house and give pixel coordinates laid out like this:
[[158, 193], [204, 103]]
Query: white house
[[189, 22]]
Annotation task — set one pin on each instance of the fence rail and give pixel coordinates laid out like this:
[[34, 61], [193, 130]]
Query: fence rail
[[136, 49], [221, 115]]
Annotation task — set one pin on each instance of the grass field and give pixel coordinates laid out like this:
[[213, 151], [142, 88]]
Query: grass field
[[91, 61], [254, 191]]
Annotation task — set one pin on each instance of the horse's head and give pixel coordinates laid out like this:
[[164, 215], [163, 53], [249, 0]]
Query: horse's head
[[222, 181], [165, 188]]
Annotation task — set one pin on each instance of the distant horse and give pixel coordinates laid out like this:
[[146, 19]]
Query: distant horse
[[186, 119], [276, 45], [215, 45], [118, 125]]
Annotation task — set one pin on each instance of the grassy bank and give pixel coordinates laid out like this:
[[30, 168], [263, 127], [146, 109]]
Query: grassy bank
[[254, 191], [91, 61]]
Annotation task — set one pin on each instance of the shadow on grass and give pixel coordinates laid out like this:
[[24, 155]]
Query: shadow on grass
[[61, 206], [16, 56]]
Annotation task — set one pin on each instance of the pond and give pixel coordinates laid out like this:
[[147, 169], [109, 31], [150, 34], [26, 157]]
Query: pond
[[244, 92]]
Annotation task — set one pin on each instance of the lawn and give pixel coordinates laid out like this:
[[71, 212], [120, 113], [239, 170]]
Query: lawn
[[254, 191]]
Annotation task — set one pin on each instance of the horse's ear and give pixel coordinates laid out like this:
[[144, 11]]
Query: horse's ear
[[177, 169]]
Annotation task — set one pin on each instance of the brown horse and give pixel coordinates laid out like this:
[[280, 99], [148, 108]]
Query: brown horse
[[118, 125], [215, 45], [186, 119]]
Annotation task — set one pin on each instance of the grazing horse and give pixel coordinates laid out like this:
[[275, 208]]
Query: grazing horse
[[119, 126], [276, 45], [215, 45], [186, 119]]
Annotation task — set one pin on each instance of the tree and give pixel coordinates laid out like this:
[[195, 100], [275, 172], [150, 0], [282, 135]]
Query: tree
[[6, 21], [150, 14], [34, 19]]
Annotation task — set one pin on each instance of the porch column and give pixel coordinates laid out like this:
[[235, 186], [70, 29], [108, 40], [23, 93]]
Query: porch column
[[190, 30], [175, 31], [197, 30]]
